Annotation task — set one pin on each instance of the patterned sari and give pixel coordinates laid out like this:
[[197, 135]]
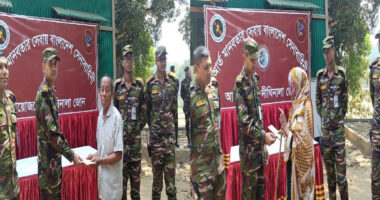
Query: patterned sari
[[299, 144]]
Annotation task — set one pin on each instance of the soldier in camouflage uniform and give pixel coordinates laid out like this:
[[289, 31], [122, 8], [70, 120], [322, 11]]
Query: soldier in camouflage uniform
[[250, 122], [9, 188], [331, 102], [161, 98], [51, 141], [185, 94], [129, 100], [374, 78], [206, 157]]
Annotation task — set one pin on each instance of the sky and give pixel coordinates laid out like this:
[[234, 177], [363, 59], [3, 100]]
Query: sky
[[374, 51], [171, 38]]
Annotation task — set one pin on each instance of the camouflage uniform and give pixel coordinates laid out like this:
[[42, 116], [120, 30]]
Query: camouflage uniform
[[51, 143], [207, 167], [185, 94], [331, 102], [374, 78], [252, 135], [162, 115], [131, 105], [9, 188]]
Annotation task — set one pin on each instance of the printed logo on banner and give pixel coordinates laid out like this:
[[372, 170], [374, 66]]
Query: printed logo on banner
[[263, 58], [301, 30], [4, 35], [218, 28], [88, 41]]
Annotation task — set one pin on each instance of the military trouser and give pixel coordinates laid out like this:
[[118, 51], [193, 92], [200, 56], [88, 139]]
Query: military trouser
[[51, 194], [253, 185], [163, 164], [131, 172], [187, 126], [9, 188], [375, 175], [334, 156], [214, 188]]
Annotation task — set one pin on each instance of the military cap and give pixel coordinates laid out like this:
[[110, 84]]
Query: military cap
[[328, 42], [126, 49], [159, 51], [251, 47], [50, 53]]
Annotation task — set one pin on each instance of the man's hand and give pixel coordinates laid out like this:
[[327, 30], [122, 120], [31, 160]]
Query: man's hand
[[270, 138], [90, 156], [77, 160], [95, 159], [282, 118]]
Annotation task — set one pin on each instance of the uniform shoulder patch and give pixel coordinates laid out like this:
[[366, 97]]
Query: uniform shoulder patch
[[342, 70], [319, 72], [12, 96], [375, 61], [116, 82], [172, 75], [239, 80], [139, 81]]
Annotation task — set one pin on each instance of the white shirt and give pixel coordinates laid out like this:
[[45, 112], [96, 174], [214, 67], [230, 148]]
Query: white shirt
[[109, 136]]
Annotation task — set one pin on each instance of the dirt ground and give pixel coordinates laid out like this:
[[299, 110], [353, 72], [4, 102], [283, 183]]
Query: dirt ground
[[358, 169]]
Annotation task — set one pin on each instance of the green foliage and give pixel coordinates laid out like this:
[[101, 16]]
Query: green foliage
[[185, 27], [360, 105], [349, 28], [138, 22]]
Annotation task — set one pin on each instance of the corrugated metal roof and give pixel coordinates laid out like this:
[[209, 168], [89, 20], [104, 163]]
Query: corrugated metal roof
[[5, 4], [293, 4], [79, 15]]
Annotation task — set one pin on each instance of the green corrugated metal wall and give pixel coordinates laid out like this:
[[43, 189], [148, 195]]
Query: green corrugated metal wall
[[105, 64], [317, 30], [100, 7]]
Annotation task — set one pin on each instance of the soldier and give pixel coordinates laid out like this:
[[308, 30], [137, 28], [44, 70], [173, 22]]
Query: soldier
[[185, 94], [172, 71], [250, 122], [206, 157], [9, 188], [129, 100], [51, 141], [331, 102], [161, 97], [374, 78]]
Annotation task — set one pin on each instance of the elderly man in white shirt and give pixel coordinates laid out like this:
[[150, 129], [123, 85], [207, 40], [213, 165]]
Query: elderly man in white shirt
[[109, 138]]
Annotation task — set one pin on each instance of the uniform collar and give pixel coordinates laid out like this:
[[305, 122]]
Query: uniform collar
[[123, 80], [335, 70], [45, 86], [156, 76]]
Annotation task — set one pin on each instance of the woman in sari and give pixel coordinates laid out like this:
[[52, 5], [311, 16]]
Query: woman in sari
[[298, 133]]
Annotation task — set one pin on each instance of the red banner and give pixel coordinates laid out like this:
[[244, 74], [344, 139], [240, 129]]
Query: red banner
[[23, 39], [283, 38]]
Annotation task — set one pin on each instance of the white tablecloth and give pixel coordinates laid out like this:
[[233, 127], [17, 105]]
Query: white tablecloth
[[28, 166]]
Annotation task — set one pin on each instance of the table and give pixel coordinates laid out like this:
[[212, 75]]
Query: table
[[78, 183]]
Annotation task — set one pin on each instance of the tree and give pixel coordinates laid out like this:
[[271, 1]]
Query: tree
[[138, 22], [185, 27], [348, 25]]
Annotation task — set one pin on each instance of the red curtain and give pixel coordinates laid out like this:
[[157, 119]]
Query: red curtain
[[319, 189], [78, 183], [79, 130]]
